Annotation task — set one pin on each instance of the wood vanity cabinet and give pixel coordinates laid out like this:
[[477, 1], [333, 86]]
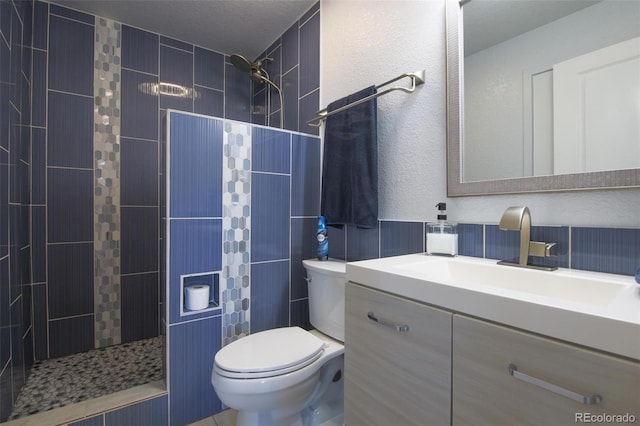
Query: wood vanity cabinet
[[395, 375], [485, 393]]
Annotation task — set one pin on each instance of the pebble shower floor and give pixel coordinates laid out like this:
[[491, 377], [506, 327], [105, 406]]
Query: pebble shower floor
[[62, 381]]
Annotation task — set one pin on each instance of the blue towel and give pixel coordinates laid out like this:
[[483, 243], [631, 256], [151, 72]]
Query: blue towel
[[350, 168]]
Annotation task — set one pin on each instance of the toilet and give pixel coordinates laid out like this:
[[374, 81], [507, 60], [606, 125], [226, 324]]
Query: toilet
[[289, 376]]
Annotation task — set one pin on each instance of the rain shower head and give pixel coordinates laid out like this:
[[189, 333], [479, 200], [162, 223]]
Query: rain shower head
[[241, 63]]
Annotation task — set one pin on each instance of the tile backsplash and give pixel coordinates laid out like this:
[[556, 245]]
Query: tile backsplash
[[611, 250]]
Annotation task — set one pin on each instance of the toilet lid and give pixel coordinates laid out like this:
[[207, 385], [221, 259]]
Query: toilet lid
[[270, 351]]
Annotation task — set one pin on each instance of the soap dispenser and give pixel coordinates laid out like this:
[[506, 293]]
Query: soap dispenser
[[442, 236]]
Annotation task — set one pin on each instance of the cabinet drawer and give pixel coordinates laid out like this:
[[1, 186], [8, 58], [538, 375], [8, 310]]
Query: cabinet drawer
[[395, 376], [485, 392]]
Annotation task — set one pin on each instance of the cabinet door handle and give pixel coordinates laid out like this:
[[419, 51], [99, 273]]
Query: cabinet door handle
[[587, 400], [399, 328]]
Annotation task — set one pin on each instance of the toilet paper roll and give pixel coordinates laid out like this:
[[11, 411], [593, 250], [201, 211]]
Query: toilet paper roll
[[197, 297]]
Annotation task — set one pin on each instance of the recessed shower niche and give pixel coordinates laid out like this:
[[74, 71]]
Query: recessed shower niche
[[200, 292]]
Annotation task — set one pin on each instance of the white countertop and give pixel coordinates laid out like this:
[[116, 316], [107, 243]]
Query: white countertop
[[610, 322]]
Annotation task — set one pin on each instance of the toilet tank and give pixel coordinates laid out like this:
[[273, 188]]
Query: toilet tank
[[326, 283]]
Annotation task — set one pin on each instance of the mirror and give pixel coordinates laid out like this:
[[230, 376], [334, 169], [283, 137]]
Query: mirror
[[531, 87]]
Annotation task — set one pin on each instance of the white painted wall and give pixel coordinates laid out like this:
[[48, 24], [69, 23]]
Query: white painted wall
[[366, 42]]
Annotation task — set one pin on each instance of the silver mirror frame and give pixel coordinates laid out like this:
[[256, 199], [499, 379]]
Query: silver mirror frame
[[615, 179]]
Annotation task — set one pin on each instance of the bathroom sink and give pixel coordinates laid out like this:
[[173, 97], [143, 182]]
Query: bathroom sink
[[569, 285], [593, 309]]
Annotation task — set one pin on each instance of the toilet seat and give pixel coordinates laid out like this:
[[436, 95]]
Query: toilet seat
[[269, 353]]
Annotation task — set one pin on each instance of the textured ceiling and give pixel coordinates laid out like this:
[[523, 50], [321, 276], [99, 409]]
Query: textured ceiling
[[246, 27]]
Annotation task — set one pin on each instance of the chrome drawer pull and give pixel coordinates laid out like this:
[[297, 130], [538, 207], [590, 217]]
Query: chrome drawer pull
[[399, 328], [587, 400]]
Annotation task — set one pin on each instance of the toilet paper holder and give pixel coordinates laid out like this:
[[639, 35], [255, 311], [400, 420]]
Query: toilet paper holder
[[199, 292]]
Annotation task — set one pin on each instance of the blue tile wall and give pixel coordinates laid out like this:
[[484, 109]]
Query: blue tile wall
[[398, 238], [15, 198], [176, 67], [303, 246], [151, 412], [196, 173], [295, 55], [139, 241], [270, 150], [470, 239], [605, 250], [70, 55], [70, 335], [139, 50], [70, 286], [196, 246], [208, 69], [209, 102], [192, 346], [139, 172], [269, 295], [70, 131], [70, 205], [270, 198], [305, 176], [139, 109]]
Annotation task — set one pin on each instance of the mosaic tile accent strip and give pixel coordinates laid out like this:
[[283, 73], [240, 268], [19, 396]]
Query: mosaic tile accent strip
[[236, 231], [106, 144], [58, 382]]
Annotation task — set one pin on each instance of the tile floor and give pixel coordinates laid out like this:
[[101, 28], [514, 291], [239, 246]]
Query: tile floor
[[71, 379]]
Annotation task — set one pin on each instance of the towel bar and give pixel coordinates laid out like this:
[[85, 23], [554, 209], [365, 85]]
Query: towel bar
[[417, 78]]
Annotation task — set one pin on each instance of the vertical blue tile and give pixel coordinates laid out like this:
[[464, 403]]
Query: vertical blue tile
[[91, 421], [70, 335], [40, 345], [309, 13], [501, 245], [195, 246], [303, 246], [269, 217], [39, 88], [195, 166], [610, 250], [5, 19], [70, 131], [70, 205], [470, 239], [5, 317], [237, 91], [259, 108], [150, 412], [5, 65], [70, 56], [270, 150], [398, 238], [139, 106], [192, 346], [310, 55], [38, 165], [300, 314], [208, 68], [4, 203], [552, 234], [362, 244], [139, 50], [139, 172], [72, 14], [209, 102], [308, 106], [139, 239], [40, 24], [269, 295], [290, 95], [290, 48], [6, 402], [139, 306], [38, 243], [70, 286], [305, 176], [176, 67], [166, 41], [17, 350]]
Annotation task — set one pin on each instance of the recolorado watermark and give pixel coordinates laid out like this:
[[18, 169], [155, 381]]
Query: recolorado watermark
[[604, 418]]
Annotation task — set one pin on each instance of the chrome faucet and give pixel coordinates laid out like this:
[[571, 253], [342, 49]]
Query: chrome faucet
[[519, 219]]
